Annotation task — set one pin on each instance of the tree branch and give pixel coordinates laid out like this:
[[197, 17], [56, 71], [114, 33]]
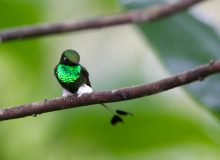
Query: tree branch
[[123, 94], [145, 15]]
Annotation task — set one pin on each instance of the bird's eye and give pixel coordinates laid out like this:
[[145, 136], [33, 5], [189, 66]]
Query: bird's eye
[[65, 59]]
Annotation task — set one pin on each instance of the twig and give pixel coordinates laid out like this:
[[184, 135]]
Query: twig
[[123, 94], [145, 15]]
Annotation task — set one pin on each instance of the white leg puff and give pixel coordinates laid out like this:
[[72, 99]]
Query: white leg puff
[[84, 89], [66, 93]]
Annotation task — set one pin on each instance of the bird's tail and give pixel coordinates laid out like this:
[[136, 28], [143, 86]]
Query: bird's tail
[[116, 114]]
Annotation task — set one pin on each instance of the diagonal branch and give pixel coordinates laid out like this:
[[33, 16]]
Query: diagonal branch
[[123, 94], [145, 15]]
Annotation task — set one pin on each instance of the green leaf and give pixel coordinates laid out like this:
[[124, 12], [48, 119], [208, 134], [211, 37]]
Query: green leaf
[[183, 42]]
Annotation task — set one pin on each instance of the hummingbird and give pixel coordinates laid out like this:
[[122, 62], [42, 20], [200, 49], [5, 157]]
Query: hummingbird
[[74, 79]]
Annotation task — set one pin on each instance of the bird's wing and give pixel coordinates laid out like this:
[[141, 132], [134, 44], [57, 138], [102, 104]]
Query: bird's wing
[[86, 75]]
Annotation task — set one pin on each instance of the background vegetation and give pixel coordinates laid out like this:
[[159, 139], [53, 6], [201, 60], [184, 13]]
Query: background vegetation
[[172, 125]]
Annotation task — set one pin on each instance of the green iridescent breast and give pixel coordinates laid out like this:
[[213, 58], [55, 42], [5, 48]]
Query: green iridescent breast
[[68, 74]]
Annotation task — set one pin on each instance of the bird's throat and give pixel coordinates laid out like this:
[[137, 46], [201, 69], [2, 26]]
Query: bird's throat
[[68, 74]]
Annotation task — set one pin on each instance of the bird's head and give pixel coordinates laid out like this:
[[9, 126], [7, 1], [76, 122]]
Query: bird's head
[[70, 57]]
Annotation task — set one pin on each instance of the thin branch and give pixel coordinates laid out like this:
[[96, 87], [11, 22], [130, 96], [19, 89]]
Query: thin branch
[[145, 15], [123, 94]]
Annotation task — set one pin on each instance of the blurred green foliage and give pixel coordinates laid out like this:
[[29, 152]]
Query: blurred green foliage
[[166, 126], [182, 42], [196, 43]]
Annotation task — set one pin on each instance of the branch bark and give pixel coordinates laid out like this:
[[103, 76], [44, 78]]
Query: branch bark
[[123, 94], [145, 15]]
